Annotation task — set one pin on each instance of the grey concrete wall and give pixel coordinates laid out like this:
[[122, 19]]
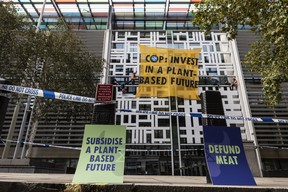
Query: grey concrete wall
[[251, 157]]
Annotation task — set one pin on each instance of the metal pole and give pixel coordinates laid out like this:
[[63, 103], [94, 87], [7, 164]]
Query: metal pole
[[29, 97], [205, 123], [27, 135], [178, 133], [11, 130], [171, 138], [22, 128], [40, 17]]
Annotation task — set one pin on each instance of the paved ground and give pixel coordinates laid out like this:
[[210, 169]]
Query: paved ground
[[274, 183]]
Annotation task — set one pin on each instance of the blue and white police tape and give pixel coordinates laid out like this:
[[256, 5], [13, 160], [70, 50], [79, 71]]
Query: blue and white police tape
[[46, 94], [73, 148], [182, 114], [128, 150], [41, 144], [68, 97]]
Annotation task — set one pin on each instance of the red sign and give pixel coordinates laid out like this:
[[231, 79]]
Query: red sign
[[104, 93]]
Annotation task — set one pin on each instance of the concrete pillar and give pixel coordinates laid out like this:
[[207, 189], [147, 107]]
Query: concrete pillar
[[250, 152]]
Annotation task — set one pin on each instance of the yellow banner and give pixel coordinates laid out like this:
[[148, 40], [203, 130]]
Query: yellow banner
[[168, 72]]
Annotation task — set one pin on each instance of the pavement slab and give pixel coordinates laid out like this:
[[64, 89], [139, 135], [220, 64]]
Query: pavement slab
[[10, 182]]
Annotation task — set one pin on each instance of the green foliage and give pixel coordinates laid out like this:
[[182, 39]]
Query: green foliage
[[9, 19], [9, 23], [268, 56], [50, 60]]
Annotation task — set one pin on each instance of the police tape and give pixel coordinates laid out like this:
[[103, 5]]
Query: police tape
[[211, 116], [198, 147], [41, 144], [46, 94], [79, 148], [75, 98]]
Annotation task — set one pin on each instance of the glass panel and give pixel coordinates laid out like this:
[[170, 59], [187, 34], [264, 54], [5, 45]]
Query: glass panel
[[100, 8]]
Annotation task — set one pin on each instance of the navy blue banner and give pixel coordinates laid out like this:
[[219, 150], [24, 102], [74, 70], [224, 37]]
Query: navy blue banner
[[225, 156]]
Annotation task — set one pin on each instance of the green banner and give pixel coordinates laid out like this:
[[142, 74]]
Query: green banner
[[102, 155]]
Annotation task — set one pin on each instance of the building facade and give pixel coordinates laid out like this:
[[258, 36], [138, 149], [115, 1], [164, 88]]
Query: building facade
[[216, 70], [156, 144]]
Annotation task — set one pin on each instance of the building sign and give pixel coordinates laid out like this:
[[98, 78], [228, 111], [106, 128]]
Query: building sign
[[168, 72], [104, 93], [225, 156], [102, 155]]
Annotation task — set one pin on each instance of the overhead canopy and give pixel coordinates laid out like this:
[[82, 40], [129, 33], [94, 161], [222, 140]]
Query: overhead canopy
[[111, 14]]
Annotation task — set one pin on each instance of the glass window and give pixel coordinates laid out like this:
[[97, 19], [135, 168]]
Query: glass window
[[211, 71], [134, 104], [118, 120], [163, 123], [211, 48], [118, 45], [128, 136], [226, 57], [142, 116], [158, 134], [183, 37], [179, 46], [200, 120], [182, 122], [205, 48], [115, 61], [208, 37], [144, 124], [133, 33], [192, 124], [168, 133], [217, 45], [126, 117], [222, 37], [133, 118], [133, 47], [206, 59], [182, 132], [119, 68], [145, 107], [183, 140], [180, 102], [149, 138], [121, 34], [145, 34], [195, 45]]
